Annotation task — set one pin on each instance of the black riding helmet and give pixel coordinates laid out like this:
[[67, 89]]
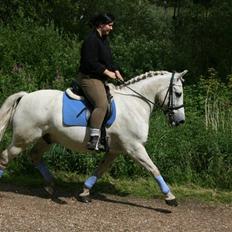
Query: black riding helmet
[[101, 19]]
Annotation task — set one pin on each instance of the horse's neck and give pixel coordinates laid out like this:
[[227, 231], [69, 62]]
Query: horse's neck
[[148, 88]]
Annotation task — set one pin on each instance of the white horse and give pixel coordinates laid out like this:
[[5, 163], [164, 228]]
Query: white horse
[[37, 118]]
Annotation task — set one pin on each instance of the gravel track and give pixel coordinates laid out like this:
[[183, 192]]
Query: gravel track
[[24, 209]]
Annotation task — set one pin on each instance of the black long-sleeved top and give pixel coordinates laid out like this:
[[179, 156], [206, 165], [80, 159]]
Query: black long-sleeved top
[[96, 56]]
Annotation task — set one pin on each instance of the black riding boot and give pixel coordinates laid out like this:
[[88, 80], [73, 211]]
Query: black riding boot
[[93, 143], [94, 139]]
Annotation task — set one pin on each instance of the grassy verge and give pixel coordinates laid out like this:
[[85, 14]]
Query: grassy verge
[[140, 187]]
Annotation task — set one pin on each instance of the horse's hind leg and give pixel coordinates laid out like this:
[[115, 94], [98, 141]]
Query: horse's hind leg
[[139, 153], [8, 154], [36, 154], [38, 150]]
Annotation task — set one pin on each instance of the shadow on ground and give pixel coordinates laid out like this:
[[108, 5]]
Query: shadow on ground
[[63, 189], [104, 198]]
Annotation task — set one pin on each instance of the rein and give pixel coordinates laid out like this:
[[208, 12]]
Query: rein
[[169, 94], [139, 94]]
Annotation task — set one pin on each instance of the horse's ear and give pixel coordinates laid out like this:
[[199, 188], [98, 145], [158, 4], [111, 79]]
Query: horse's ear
[[182, 74]]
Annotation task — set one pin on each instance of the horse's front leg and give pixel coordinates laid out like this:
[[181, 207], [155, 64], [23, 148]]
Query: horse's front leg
[[100, 170], [139, 153]]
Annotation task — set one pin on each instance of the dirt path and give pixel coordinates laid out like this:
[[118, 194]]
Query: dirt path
[[23, 209]]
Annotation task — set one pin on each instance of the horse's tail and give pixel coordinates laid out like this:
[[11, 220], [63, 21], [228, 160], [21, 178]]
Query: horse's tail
[[7, 111]]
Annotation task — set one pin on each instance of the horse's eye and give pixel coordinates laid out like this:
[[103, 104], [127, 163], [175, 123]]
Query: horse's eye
[[178, 94]]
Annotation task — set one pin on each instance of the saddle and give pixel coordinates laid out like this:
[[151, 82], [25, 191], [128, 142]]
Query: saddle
[[77, 110], [76, 90]]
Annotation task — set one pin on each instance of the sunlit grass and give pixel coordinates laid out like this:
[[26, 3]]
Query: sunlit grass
[[139, 187]]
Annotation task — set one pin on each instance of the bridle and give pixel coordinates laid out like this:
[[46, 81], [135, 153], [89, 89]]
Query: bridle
[[169, 94]]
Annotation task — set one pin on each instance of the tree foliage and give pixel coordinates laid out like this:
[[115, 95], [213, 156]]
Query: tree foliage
[[197, 38], [40, 48]]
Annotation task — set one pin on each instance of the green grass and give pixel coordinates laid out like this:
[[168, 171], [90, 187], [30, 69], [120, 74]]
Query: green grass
[[139, 187]]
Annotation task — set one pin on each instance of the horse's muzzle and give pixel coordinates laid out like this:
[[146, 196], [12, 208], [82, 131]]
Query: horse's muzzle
[[178, 123], [176, 118]]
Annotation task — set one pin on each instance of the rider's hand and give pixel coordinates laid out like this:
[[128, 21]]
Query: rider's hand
[[118, 75], [110, 74]]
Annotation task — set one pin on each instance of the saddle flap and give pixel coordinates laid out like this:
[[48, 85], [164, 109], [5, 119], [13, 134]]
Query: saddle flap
[[76, 110]]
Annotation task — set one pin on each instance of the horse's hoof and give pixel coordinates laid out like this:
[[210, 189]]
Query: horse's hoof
[[84, 196], [49, 188], [172, 202], [58, 200], [84, 199]]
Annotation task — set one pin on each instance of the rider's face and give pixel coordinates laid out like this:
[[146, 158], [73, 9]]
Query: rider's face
[[106, 28]]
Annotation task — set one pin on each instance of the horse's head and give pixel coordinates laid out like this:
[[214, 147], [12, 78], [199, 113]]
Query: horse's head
[[171, 99]]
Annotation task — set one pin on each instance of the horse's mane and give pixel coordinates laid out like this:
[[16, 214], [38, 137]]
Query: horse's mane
[[141, 77]]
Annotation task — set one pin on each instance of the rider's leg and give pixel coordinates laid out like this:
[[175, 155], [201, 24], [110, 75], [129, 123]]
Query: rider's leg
[[95, 92]]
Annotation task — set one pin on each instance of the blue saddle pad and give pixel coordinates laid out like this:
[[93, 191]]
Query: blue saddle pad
[[76, 112]]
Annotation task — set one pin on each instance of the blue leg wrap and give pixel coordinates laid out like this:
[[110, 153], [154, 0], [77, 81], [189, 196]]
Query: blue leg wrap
[[162, 184], [1, 173], [44, 171], [90, 182]]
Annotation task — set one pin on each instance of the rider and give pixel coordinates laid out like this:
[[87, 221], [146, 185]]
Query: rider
[[96, 66]]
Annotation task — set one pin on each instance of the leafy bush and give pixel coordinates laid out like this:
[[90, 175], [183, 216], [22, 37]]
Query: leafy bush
[[35, 55]]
